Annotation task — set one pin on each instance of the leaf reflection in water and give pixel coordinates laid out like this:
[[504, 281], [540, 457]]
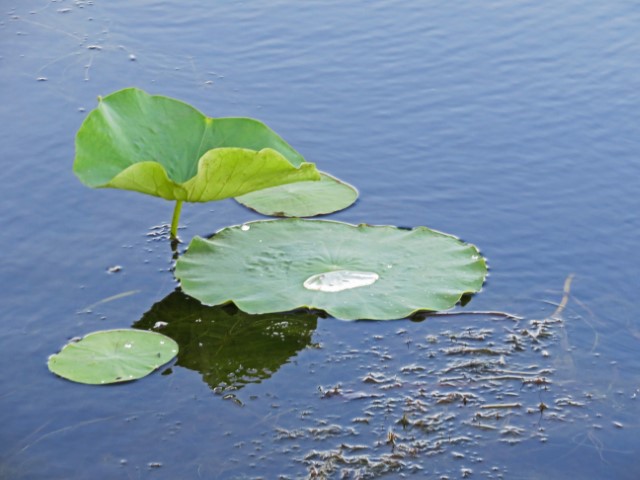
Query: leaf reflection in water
[[228, 347]]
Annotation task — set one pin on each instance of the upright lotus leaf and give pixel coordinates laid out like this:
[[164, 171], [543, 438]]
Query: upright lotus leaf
[[302, 199], [113, 356], [351, 272], [227, 346], [222, 173], [163, 147]]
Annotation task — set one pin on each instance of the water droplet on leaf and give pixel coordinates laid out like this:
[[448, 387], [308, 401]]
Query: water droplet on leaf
[[340, 280]]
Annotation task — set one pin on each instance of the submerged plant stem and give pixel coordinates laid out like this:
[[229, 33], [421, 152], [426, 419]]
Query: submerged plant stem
[[175, 219]]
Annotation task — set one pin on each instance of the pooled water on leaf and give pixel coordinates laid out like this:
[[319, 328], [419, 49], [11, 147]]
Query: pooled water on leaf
[[340, 280]]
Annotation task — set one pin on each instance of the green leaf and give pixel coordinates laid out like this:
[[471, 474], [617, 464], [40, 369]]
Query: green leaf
[[163, 147], [226, 346], [113, 356], [302, 199], [222, 173], [351, 272]]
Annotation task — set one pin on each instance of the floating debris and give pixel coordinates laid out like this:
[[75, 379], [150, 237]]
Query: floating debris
[[454, 397], [494, 406], [463, 350], [568, 402], [375, 378], [512, 431], [425, 406]]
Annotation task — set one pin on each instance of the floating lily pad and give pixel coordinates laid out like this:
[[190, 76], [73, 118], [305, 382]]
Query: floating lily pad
[[351, 272], [163, 147], [113, 356], [228, 347], [302, 199]]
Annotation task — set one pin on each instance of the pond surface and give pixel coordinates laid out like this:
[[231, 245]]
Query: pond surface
[[513, 125]]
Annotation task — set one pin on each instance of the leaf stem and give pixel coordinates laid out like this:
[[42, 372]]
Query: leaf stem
[[175, 219]]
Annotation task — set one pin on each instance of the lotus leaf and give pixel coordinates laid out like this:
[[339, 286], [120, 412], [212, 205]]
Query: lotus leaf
[[226, 346], [163, 147], [113, 356], [351, 272], [302, 199]]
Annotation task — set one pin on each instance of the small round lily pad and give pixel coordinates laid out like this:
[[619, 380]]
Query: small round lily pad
[[113, 356], [351, 272], [302, 199]]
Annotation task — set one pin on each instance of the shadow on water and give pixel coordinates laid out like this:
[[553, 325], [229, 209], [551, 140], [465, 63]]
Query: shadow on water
[[228, 347]]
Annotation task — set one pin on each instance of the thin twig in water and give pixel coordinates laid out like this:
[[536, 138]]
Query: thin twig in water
[[596, 335], [65, 429], [501, 405], [110, 299], [510, 316], [521, 378], [565, 298]]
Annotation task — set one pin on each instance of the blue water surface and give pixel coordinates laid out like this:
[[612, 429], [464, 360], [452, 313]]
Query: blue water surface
[[513, 125]]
